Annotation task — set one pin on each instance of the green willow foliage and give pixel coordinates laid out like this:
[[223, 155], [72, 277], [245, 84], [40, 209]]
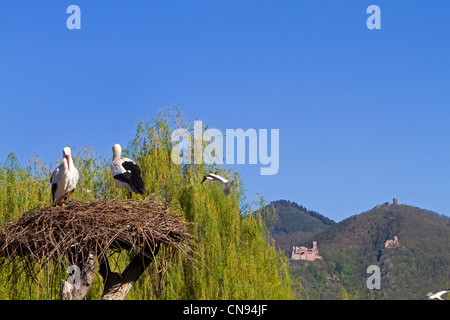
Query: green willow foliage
[[237, 259]]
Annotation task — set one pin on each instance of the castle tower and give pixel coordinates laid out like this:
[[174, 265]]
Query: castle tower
[[395, 201]]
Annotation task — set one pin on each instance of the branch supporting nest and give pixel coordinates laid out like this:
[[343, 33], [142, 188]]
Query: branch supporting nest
[[83, 232], [117, 285]]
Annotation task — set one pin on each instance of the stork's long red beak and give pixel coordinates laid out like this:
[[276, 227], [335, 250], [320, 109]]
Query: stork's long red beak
[[68, 162]]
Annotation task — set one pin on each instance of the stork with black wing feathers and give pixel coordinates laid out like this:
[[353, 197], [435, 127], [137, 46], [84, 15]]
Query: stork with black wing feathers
[[126, 173]]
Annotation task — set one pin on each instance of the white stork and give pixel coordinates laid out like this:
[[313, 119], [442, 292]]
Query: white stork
[[126, 173], [437, 295], [223, 182], [64, 179]]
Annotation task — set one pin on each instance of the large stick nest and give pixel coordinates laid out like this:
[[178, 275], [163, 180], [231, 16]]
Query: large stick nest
[[52, 233]]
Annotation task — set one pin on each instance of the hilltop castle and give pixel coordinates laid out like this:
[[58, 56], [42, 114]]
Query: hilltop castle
[[392, 243], [303, 253]]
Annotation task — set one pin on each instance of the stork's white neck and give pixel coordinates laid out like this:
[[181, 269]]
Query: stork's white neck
[[117, 151], [116, 155]]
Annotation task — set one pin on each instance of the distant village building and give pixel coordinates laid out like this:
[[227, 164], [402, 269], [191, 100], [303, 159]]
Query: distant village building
[[391, 243], [303, 253]]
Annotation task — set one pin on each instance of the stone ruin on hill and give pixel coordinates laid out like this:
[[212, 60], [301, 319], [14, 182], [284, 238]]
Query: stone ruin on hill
[[392, 243], [303, 253]]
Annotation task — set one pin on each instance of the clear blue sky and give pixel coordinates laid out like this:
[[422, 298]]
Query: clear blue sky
[[364, 115]]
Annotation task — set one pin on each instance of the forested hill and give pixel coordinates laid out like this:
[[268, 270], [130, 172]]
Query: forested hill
[[417, 265], [292, 224]]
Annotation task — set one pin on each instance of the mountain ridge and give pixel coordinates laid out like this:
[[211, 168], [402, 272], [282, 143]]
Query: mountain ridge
[[418, 263], [415, 265]]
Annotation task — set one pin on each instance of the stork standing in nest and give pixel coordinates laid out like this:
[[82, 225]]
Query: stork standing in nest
[[126, 173], [64, 179]]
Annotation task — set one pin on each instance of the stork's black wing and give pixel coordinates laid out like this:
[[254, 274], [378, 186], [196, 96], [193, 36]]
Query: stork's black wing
[[54, 186], [133, 176]]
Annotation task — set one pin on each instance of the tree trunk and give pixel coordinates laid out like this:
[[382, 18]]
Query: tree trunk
[[117, 286], [78, 289]]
